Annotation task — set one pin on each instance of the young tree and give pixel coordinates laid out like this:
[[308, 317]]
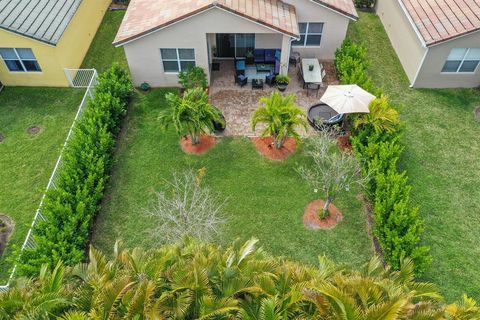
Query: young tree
[[191, 114], [281, 116], [188, 208], [332, 171]]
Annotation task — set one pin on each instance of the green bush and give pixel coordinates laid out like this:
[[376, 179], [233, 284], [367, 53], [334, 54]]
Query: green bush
[[397, 224], [70, 208], [194, 77], [364, 3]]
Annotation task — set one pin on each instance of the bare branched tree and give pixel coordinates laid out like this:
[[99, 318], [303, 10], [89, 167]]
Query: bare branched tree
[[332, 171], [187, 208]]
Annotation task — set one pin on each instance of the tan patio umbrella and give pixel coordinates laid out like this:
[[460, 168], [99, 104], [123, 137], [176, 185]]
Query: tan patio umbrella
[[347, 99]]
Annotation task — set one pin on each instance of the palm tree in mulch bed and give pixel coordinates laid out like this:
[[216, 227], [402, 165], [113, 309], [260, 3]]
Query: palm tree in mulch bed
[[282, 117], [193, 118]]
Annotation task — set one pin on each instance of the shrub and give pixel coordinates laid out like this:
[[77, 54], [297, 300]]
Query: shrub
[[375, 142], [70, 207], [194, 77], [364, 3]]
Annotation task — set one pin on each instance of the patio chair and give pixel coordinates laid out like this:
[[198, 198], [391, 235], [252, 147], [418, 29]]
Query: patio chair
[[270, 55], [241, 80], [313, 87], [240, 66], [259, 55], [270, 79]]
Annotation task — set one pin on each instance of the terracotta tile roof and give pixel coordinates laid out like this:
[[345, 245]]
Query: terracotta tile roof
[[346, 7], [144, 16], [441, 20]]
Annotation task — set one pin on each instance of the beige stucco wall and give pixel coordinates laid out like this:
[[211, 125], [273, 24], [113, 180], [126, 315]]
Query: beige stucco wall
[[143, 54], [68, 53], [431, 76], [334, 28], [402, 35]]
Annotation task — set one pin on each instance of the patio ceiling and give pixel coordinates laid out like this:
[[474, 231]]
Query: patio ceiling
[[146, 16]]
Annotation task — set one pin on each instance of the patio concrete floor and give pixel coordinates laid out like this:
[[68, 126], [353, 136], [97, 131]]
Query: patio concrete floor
[[238, 104]]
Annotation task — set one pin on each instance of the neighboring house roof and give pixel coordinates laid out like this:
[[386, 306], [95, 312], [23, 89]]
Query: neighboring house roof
[[43, 20], [441, 20], [145, 16], [346, 7]]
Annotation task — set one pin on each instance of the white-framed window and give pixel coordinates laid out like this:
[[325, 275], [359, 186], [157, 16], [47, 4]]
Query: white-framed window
[[176, 60], [20, 59], [310, 34], [462, 60]]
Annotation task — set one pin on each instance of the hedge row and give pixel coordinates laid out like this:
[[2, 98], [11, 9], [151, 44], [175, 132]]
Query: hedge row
[[397, 223], [69, 209]]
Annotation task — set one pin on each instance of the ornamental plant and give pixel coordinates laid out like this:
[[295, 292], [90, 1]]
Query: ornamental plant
[[70, 207], [193, 77], [191, 114], [193, 280], [281, 116]]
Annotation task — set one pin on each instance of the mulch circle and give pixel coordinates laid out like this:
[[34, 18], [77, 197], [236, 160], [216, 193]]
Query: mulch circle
[[477, 113], [267, 149], [6, 228], [311, 220], [2, 137], [33, 130], [206, 143]]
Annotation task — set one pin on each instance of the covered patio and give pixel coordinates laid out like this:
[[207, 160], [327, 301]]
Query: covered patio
[[238, 103]]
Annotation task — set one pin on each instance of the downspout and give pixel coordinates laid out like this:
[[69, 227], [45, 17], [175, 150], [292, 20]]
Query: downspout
[[290, 53]]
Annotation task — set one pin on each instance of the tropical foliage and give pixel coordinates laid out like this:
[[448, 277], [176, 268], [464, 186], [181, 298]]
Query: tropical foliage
[[70, 207], [190, 114], [382, 116], [332, 171], [281, 116], [193, 280]]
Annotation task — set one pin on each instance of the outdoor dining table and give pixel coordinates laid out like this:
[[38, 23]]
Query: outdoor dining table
[[314, 76]]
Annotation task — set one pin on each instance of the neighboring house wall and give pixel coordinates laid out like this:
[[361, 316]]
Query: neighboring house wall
[[403, 37], [68, 53], [143, 54], [334, 28], [431, 76]]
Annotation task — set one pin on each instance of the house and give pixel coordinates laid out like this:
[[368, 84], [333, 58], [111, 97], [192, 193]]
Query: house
[[437, 42], [38, 39], [161, 38]]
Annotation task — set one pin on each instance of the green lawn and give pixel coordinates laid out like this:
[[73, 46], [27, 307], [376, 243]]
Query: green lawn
[[442, 161], [265, 199], [26, 161], [102, 53]]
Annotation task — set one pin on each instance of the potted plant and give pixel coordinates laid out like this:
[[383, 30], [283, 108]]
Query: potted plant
[[249, 57], [282, 82], [310, 67]]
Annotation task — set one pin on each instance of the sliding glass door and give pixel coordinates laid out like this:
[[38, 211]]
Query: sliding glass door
[[231, 45]]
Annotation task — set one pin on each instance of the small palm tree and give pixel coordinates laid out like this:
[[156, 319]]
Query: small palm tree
[[191, 114], [281, 116], [382, 116]]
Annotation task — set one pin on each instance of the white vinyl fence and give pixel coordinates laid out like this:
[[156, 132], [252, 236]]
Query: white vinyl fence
[[78, 78]]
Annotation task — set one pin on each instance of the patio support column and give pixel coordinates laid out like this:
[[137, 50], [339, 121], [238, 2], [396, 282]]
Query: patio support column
[[285, 54]]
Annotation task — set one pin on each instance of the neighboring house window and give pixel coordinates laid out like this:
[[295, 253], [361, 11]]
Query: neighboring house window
[[20, 59], [310, 35], [176, 60], [462, 60]]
